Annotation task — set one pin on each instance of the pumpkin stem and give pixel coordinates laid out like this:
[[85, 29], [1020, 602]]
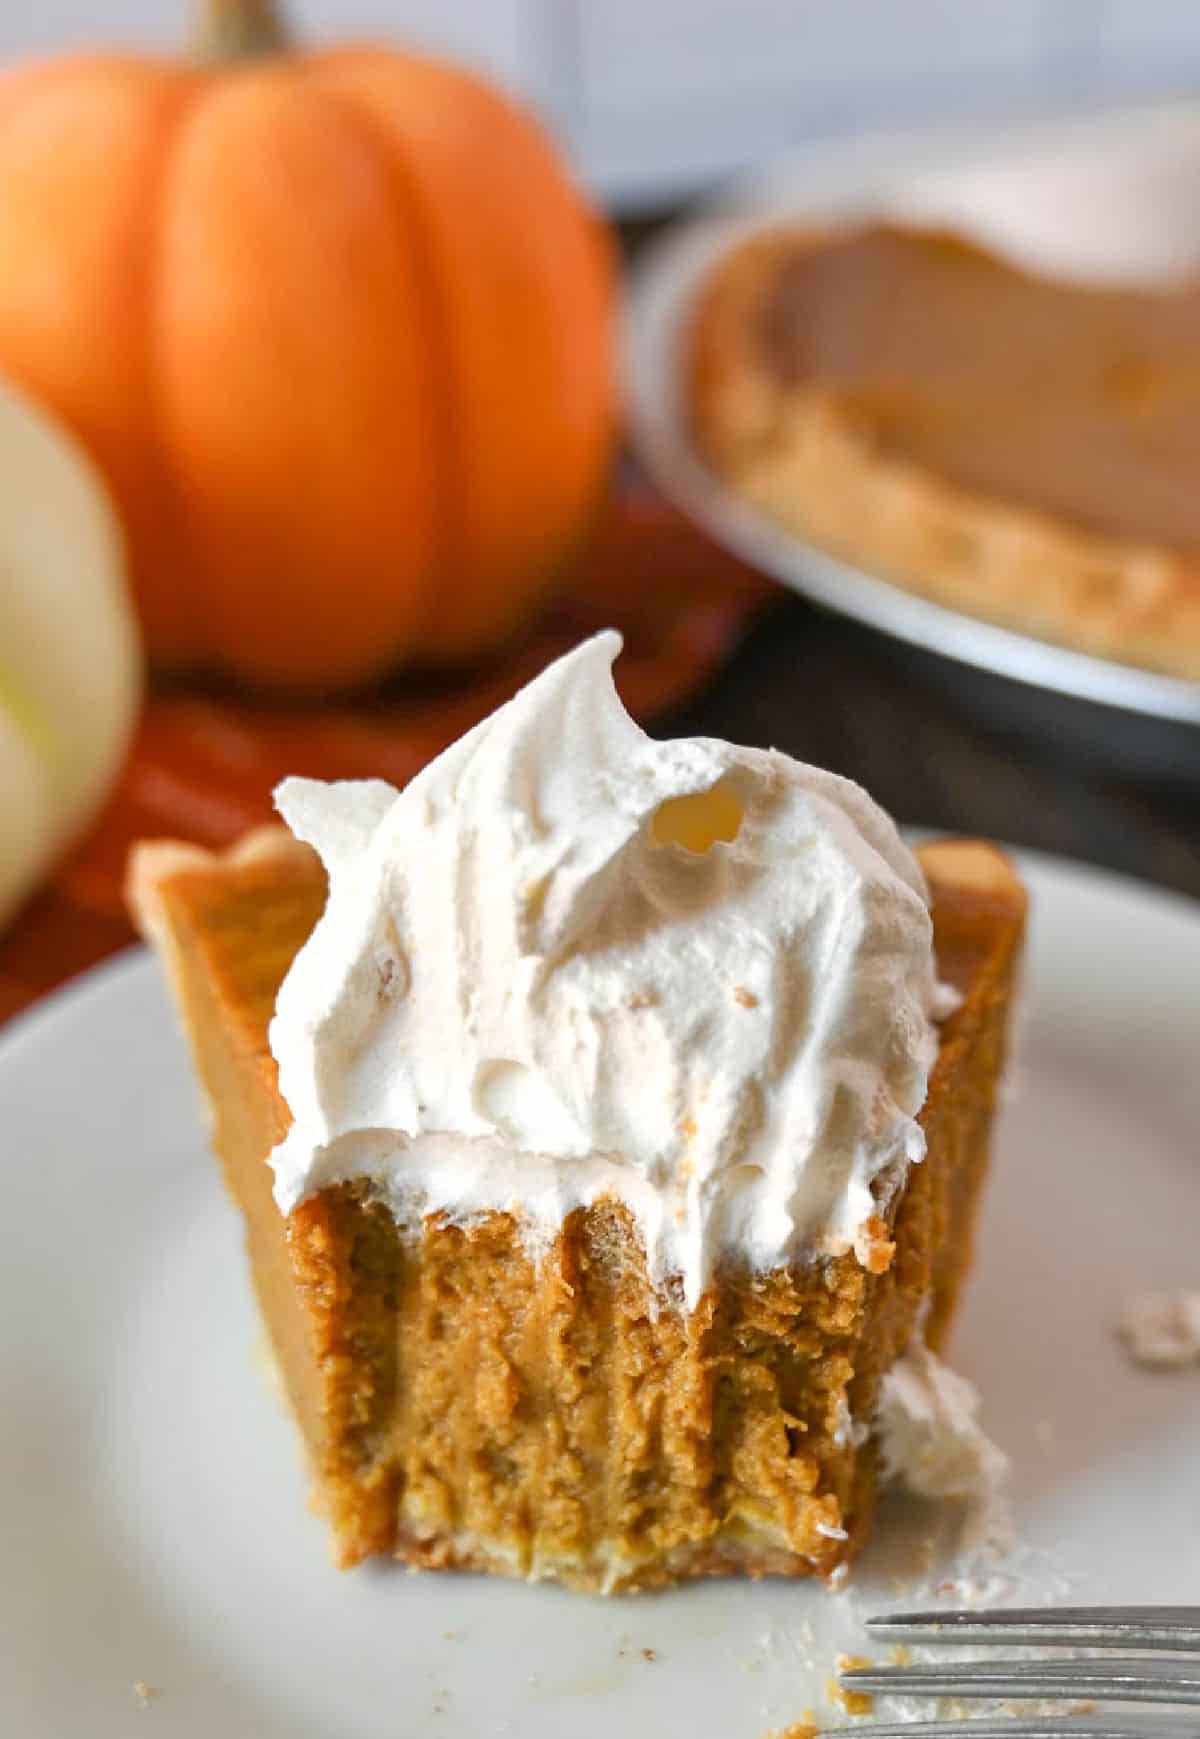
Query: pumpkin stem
[[239, 29]]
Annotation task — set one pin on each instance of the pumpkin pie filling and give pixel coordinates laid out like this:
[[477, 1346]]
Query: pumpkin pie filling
[[1076, 401], [1018, 448], [511, 1341]]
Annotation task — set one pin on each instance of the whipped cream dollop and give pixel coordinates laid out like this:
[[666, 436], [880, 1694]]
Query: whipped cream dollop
[[569, 961], [929, 1431]]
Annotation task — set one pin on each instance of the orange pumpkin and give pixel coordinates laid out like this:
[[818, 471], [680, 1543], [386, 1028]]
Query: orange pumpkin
[[337, 327]]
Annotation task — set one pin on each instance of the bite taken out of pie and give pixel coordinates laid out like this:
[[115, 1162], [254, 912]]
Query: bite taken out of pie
[[1014, 447], [608, 1118]]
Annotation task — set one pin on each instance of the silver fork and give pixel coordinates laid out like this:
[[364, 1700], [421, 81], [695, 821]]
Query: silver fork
[[1132, 1678]]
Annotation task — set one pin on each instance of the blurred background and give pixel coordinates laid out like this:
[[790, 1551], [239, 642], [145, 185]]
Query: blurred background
[[253, 566], [654, 99]]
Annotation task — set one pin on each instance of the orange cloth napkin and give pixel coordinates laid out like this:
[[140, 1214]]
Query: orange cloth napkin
[[203, 767]]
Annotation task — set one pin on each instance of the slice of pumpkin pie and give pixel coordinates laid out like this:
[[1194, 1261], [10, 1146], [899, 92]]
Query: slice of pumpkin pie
[[607, 1116]]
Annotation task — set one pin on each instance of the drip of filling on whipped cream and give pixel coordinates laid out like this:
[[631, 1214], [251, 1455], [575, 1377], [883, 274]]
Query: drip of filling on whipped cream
[[568, 961]]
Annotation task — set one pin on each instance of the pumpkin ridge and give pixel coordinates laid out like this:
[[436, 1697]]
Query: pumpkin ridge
[[298, 386], [499, 576], [191, 617], [407, 206]]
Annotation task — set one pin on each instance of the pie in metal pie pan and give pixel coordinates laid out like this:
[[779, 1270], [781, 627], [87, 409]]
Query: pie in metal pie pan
[[1111, 204]]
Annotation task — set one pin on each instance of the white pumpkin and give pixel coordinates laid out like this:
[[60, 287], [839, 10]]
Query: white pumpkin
[[70, 662]]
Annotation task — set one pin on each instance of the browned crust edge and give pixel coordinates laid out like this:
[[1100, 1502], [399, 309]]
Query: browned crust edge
[[153, 863]]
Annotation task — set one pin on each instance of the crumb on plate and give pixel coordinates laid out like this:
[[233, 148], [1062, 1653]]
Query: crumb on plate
[[854, 1702], [1161, 1330]]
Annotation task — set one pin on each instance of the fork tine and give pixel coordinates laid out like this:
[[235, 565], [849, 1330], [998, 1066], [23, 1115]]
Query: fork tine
[[1008, 1727], [1173, 1627], [1123, 1680]]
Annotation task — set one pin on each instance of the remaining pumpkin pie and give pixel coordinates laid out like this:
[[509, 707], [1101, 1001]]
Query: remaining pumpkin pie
[[1021, 449], [628, 1105]]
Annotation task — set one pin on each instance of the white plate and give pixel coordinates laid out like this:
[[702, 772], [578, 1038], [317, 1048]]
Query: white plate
[[1113, 197], [152, 1506]]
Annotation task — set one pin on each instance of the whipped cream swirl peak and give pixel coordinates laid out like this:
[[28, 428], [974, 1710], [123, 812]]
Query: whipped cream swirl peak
[[569, 961]]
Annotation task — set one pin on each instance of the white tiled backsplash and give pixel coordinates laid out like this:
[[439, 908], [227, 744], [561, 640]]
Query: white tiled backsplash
[[655, 97]]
